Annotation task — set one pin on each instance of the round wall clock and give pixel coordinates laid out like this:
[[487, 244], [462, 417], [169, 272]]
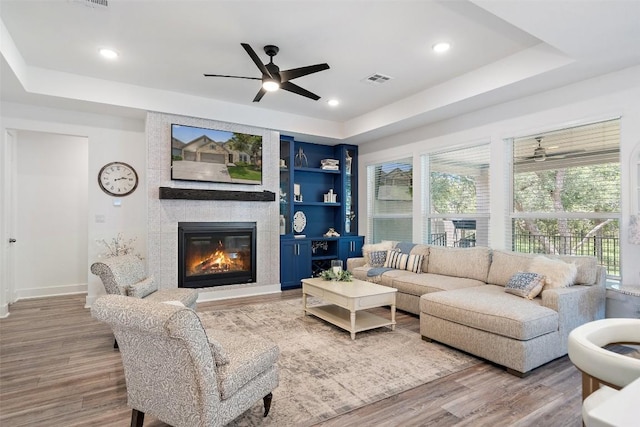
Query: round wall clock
[[299, 221], [118, 179]]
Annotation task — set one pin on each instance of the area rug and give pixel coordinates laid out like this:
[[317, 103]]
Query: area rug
[[323, 373]]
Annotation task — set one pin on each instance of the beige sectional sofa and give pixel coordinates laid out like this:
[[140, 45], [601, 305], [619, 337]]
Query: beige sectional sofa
[[459, 294]]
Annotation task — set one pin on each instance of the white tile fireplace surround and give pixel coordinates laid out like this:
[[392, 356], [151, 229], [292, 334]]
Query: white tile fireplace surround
[[164, 215]]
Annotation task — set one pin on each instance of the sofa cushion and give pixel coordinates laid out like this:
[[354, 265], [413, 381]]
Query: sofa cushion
[[248, 356], [472, 263], [525, 285], [504, 264], [388, 277], [420, 284], [385, 245], [557, 273], [490, 309]]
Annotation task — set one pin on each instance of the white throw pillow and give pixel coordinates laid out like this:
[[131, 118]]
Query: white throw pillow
[[557, 273], [396, 259]]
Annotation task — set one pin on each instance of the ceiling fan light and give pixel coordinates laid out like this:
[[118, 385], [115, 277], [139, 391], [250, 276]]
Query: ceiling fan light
[[270, 85], [539, 154]]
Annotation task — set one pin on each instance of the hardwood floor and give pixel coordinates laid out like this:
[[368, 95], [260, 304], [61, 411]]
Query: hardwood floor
[[58, 368]]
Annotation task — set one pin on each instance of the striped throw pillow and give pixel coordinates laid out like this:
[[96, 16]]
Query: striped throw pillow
[[414, 263], [396, 259]]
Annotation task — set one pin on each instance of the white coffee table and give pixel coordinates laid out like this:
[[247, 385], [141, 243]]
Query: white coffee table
[[345, 299]]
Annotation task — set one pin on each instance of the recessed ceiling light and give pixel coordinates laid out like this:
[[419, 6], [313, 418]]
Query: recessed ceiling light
[[441, 47], [108, 53], [333, 102]]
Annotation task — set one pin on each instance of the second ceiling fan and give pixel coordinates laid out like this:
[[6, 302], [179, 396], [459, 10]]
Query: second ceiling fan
[[274, 79]]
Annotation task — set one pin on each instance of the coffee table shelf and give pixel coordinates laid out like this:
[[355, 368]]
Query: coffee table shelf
[[341, 317]]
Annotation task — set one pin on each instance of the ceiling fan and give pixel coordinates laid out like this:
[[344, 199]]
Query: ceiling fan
[[274, 79], [540, 153]]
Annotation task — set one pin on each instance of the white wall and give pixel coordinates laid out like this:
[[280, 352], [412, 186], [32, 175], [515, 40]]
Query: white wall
[[612, 95], [109, 139], [51, 214]]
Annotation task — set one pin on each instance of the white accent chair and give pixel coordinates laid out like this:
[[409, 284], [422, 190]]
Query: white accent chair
[[603, 372]]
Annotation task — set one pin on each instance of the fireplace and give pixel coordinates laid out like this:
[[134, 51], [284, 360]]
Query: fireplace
[[216, 253]]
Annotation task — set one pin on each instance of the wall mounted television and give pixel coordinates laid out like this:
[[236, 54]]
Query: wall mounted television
[[212, 155]]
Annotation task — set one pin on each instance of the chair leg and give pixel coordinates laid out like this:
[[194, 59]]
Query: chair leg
[[115, 344], [267, 403], [137, 418]]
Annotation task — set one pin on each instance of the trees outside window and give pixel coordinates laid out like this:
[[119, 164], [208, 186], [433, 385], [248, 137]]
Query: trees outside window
[[566, 193], [390, 201], [456, 204]]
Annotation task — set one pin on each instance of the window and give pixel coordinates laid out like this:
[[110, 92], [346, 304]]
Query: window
[[566, 193], [456, 205], [390, 201]]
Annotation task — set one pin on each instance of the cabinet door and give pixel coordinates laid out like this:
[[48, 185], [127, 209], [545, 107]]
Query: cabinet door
[[350, 247], [295, 262]]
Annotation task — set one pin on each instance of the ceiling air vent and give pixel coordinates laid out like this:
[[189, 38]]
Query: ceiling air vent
[[98, 4], [377, 78]]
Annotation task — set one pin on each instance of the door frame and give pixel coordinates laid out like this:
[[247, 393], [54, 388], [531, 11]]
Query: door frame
[[8, 224]]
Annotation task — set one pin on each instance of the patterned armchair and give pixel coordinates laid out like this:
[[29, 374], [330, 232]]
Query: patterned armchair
[[181, 373], [125, 275]]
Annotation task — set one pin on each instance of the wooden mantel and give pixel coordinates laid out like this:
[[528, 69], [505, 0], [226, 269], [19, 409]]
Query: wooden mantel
[[193, 194]]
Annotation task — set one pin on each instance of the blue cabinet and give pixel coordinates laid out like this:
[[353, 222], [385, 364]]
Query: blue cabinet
[[295, 262], [318, 192], [350, 247]]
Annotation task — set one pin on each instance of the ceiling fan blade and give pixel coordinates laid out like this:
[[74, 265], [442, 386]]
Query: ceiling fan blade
[[233, 77], [259, 95], [302, 71], [256, 60], [288, 86]]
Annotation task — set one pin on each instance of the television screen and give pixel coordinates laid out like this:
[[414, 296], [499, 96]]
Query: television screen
[[210, 155]]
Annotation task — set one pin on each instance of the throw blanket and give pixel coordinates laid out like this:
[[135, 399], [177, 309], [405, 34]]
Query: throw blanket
[[405, 247], [376, 271]]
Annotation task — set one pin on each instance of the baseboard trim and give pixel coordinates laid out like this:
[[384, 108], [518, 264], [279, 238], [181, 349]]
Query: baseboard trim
[[51, 291]]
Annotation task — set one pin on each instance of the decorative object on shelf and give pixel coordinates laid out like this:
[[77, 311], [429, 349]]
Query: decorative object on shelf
[[330, 164], [322, 244], [297, 194], [283, 225], [332, 233], [344, 276], [283, 196], [299, 221], [330, 197], [301, 159], [118, 179], [348, 160], [283, 164]]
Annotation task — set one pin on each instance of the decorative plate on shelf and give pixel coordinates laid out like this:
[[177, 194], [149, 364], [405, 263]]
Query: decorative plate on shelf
[[299, 221]]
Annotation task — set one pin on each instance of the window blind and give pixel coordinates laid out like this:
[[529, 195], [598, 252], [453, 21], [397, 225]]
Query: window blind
[[390, 201], [457, 212], [566, 192]]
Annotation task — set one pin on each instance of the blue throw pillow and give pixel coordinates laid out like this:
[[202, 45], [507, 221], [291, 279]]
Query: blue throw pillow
[[377, 258]]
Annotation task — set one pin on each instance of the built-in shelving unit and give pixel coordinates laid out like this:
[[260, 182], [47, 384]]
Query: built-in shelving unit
[[303, 186]]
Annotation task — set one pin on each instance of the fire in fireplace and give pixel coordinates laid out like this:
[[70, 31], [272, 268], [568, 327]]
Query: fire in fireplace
[[216, 253]]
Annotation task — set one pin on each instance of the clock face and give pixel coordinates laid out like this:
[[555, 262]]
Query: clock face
[[118, 179], [299, 221]]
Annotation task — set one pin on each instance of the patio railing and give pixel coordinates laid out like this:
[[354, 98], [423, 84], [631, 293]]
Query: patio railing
[[605, 248]]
